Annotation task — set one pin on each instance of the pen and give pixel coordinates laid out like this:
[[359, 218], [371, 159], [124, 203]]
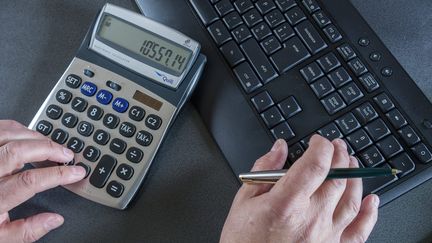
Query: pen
[[272, 176]]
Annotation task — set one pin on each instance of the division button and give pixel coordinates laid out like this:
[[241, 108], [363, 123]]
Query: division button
[[102, 171], [134, 155], [114, 188]]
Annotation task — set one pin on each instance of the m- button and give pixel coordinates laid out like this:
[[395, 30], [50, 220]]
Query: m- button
[[153, 122]]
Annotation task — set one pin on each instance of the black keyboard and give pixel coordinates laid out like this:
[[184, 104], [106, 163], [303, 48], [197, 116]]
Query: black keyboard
[[292, 59]]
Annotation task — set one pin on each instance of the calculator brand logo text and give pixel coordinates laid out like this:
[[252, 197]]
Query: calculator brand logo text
[[164, 78]]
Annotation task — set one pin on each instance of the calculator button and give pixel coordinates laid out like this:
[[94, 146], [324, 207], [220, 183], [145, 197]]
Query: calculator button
[[371, 157], [339, 77], [389, 146], [350, 93], [44, 127], [88, 89], [104, 97], [79, 104], [91, 153], [365, 113], [322, 87], [54, 112], [118, 146], [409, 135], [422, 153], [377, 129], [134, 155], [86, 168], [359, 140], [75, 144], [144, 138], [115, 189], [153, 121], [113, 85], [328, 62], [85, 128], [348, 123], [95, 113], [69, 120], [111, 121], [120, 105], [311, 72], [59, 136], [127, 129], [101, 137], [136, 113], [73, 81], [63, 96], [125, 171], [88, 73], [404, 163], [396, 119], [102, 171]]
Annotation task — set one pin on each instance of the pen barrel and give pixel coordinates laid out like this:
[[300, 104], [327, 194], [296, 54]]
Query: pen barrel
[[358, 173]]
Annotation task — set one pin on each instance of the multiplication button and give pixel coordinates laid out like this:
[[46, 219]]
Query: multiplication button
[[125, 171], [134, 155]]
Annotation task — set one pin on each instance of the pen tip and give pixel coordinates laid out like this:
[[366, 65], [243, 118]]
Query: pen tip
[[396, 171]]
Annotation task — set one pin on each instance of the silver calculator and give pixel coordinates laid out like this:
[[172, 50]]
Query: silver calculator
[[115, 102]]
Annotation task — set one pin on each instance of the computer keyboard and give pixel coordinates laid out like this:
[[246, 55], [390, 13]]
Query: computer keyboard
[[266, 40]]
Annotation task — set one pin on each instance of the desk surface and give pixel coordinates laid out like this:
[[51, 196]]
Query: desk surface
[[38, 40]]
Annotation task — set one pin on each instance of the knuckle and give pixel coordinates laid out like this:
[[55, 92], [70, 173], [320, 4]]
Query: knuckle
[[28, 179], [9, 151], [59, 171], [318, 168], [358, 238], [352, 208], [29, 235]]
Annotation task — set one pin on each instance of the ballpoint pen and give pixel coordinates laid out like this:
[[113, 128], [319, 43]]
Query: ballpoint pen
[[272, 176]]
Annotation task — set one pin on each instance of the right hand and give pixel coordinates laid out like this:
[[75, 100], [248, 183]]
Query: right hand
[[19, 145]]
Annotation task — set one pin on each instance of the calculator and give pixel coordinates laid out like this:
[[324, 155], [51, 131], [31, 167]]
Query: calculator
[[116, 100]]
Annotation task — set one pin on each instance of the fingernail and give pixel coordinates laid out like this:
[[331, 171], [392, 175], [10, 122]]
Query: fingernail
[[376, 200], [276, 145], [68, 152], [53, 222], [341, 143], [78, 171]]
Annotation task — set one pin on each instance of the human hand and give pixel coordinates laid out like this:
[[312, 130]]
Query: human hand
[[19, 145], [302, 206]]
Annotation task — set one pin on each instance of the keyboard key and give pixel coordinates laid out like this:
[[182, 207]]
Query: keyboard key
[[95, 113], [357, 67], [365, 113], [272, 117], [243, 5], [293, 53], [350, 149], [54, 112], [265, 6], [339, 77], [102, 171], [409, 135], [127, 129], [73, 81], [136, 113], [284, 31], [118, 146], [219, 32], [271, 45], [223, 7], [295, 152], [101, 137], [305, 141], [350, 93], [404, 163], [69, 120], [111, 121], [144, 138], [369, 82], [371, 157], [322, 87], [284, 5], [283, 131], [333, 103], [79, 104], [125, 171], [75, 144], [346, 51], [44, 127], [321, 19], [247, 77], [258, 60], [252, 17], [422, 153], [359, 140], [347, 123], [63, 96], [241, 33], [377, 129], [261, 31], [289, 107], [328, 62], [134, 155], [88, 89], [374, 184], [311, 72], [104, 97], [205, 11], [330, 132], [332, 33], [120, 105], [91, 153], [295, 15], [310, 36], [311, 5], [232, 53], [274, 18], [384, 102], [262, 101], [396, 118], [115, 189], [389, 146], [59, 136], [232, 20], [153, 122]]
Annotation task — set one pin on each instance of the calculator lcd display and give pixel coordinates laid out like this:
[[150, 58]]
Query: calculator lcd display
[[151, 48]]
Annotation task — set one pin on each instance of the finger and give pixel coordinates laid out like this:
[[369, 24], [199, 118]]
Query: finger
[[14, 131], [24, 185], [273, 160], [15, 154], [307, 173], [360, 229], [331, 190], [350, 202], [11, 124], [4, 218], [30, 229]]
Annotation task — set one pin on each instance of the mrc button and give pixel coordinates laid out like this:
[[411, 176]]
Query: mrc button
[[120, 105], [88, 89], [73, 81]]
